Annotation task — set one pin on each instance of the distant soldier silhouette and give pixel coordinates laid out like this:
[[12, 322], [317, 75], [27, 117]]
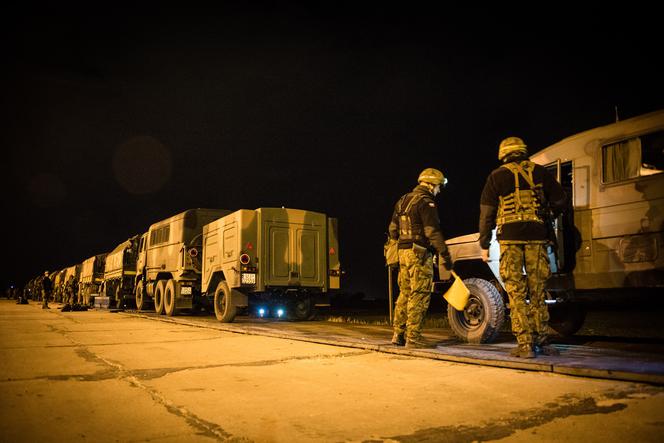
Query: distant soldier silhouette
[[47, 288]]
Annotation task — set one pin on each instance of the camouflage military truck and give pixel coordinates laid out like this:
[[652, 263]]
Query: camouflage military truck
[[612, 239], [168, 268], [275, 260], [120, 272], [92, 274]]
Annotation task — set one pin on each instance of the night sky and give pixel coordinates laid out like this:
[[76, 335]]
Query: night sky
[[117, 119]]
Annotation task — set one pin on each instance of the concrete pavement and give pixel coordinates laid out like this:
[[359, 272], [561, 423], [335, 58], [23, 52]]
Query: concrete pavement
[[101, 376]]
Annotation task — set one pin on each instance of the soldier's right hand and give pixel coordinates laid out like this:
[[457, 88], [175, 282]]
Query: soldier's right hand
[[447, 261]]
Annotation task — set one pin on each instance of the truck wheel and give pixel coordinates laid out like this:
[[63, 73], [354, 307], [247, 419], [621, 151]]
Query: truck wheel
[[566, 318], [303, 309], [483, 316], [141, 303], [170, 297], [159, 297], [224, 309]]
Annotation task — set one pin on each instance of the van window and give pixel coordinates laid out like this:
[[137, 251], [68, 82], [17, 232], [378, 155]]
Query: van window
[[634, 157]]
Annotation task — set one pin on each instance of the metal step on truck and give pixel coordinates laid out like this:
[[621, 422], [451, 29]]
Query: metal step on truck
[[276, 262], [612, 239]]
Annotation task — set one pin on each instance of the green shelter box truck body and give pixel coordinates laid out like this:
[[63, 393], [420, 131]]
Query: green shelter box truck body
[[271, 259]]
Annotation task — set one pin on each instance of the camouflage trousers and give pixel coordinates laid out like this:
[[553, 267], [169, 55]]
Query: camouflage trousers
[[415, 277], [45, 296], [529, 320]]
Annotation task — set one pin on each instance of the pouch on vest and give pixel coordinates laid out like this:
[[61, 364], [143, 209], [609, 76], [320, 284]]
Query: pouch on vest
[[391, 252], [419, 250]]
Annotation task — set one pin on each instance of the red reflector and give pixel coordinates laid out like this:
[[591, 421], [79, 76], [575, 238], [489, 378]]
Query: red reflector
[[332, 251], [249, 246]]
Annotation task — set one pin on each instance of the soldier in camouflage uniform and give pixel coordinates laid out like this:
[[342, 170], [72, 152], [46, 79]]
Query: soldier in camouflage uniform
[[516, 199], [416, 226], [71, 290], [47, 288]]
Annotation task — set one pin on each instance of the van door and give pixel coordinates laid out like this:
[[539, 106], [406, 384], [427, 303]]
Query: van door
[[140, 258]]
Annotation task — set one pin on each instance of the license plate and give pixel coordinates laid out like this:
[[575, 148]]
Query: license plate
[[248, 279], [186, 290]]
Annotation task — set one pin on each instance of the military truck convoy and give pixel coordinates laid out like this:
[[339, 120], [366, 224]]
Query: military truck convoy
[[276, 260], [287, 260], [612, 238]]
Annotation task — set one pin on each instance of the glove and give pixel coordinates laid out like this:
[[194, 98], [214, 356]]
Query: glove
[[447, 260]]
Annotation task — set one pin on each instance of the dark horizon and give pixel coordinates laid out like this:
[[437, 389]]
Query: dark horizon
[[330, 110]]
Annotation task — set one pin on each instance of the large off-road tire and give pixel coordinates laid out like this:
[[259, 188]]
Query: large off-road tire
[[141, 297], [224, 309], [303, 309], [159, 297], [483, 316], [566, 318], [171, 294]]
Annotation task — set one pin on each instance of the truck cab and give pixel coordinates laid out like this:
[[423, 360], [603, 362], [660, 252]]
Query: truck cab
[[168, 266], [120, 272]]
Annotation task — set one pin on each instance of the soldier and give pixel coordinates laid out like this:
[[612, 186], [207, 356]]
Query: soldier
[[416, 226], [71, 290], [47, 287], [516, 199]]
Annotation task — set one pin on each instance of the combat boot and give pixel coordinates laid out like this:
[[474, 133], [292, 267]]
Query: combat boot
[[398, 339], [523, 351], [419, 343], [543, 347]]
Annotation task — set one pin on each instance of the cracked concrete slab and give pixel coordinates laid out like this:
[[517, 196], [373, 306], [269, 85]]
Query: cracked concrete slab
[[216, 385]]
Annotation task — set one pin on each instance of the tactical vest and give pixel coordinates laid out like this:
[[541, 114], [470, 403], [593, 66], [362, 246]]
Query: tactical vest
[[408, 230], [522, 205]]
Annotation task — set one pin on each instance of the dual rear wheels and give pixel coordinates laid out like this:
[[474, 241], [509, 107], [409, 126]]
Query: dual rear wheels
[[165, 297]]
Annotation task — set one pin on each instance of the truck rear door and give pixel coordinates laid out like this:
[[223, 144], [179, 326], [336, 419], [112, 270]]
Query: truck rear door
[[293, 248]]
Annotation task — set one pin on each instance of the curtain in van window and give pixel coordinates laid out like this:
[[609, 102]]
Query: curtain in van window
[[622, 160]]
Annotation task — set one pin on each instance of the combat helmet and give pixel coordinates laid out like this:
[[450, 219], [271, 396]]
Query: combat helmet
[[432, 176], [511, 145]]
